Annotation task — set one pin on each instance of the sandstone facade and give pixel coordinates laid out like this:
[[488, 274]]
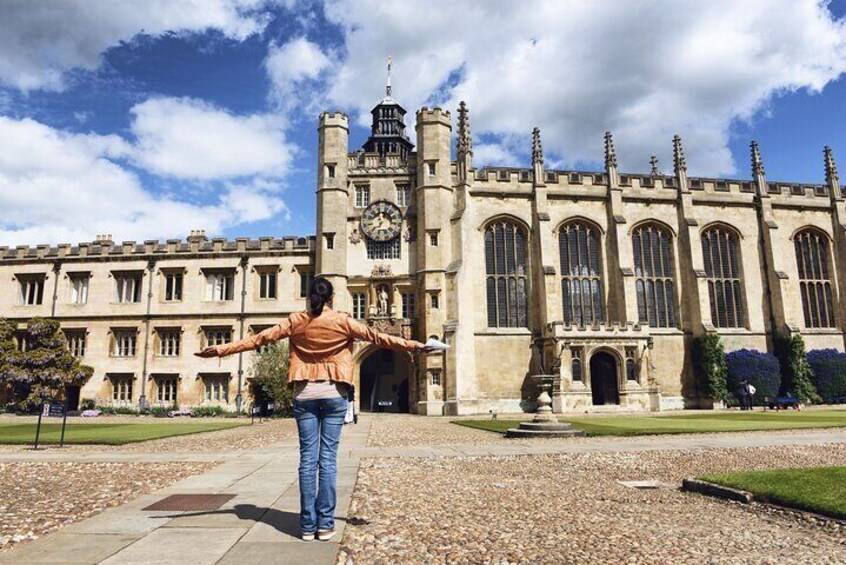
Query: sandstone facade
[[601, 279]]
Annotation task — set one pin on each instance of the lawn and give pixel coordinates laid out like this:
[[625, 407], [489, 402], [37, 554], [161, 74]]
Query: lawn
[[110, 434], [685, 423], [821, 489]]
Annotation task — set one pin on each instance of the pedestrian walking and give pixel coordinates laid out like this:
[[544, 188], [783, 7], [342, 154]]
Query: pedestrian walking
[[321, 374]]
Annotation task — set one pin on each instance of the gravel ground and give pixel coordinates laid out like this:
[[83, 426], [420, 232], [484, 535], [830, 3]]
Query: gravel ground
[[38, 498], [240, 438], [404, 430], [570, 509]]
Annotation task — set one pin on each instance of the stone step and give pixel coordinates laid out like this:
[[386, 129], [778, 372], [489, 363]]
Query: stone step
[[523, 433], [544, 429]]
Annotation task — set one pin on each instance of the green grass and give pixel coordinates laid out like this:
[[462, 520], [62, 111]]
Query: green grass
[[685, 423], [821, 489], [109, 434]]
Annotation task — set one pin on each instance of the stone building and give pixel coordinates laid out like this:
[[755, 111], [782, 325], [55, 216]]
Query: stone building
[[601, 279]]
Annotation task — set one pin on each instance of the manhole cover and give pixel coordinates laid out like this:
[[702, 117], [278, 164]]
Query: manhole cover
[[191, 502]]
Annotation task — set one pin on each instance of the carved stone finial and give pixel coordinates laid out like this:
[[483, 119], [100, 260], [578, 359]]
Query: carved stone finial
[[653, 161], [831, 177], [610, 154], [537, 148], [465, 143], [757, 162], [679, 163]]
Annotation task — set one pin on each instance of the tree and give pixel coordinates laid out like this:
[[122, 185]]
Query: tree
[[45, 366], [270, 371], [798, 375], [760, 369], [709, 359]]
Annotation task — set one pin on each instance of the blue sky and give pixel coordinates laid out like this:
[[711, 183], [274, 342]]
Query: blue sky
[[162, 117]]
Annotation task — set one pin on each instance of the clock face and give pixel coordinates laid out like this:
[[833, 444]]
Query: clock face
[[381, 221]]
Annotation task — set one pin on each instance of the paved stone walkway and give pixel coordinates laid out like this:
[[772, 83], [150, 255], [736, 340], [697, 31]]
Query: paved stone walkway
[[260, 525]]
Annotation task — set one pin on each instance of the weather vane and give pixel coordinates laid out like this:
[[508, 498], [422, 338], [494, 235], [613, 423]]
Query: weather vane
[[388, 88]]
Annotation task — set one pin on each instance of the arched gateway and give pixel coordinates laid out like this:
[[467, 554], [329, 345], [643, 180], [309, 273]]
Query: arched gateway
[[383, 381], [603, 379]]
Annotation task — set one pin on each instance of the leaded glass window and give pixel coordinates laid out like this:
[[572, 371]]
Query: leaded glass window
[[814, 278], [581, 274], [722, 270], [506, 275], [654, 283]]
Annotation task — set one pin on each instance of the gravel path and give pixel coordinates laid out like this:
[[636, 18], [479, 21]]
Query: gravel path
[[239, 438], [570, 509], [37, 498]]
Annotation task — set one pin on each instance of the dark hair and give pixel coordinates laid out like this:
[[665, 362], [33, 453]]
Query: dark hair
[[320, 293]]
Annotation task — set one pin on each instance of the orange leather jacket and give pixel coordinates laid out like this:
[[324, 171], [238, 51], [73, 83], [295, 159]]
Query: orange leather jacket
[[321, 346]]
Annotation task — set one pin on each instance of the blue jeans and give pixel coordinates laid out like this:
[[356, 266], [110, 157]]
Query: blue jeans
[[319, 423]]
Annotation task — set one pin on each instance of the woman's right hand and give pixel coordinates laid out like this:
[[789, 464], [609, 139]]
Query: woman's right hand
[[210, 351]]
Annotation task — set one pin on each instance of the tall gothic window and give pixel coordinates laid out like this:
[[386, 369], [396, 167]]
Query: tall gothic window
[[505, 266], [722, 269], [581, 274], [653, 259], [814, 278]]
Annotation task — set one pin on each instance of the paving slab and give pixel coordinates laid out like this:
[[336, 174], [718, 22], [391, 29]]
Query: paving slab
[[166, 546], [69, 548], [281, 553]]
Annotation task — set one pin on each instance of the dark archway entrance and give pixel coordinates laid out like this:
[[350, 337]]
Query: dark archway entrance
[[384, 382], [603, 379], [72, 392]]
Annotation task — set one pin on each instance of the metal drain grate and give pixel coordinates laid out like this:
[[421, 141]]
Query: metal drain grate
[[191, 502]]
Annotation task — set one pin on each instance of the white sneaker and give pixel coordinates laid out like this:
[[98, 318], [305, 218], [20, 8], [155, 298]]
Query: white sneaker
[[326, 535], [308, 536]]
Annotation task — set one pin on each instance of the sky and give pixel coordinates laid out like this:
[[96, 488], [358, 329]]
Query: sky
[[150, 118]]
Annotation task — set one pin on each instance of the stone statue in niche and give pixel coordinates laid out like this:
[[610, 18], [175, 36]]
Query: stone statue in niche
[[355, 236], [383, 301]]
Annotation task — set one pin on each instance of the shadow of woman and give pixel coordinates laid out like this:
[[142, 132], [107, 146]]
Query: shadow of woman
[[283, 521]]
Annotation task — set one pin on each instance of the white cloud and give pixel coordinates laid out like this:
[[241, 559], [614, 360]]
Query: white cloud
[[576, 69], [39, 41], [190, 139], [493, 154], [60, 187], [290, 64]]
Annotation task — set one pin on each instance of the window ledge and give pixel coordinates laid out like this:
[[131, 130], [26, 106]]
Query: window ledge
[[664, 331], [504, 331], [821, 331]]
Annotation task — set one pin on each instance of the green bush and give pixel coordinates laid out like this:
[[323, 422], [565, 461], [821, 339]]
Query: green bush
[[797, 376], [709, 365], [160, 411], [87, 404], [207, 411], [108, 409]]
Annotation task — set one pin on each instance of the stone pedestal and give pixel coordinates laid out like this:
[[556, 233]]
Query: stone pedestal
[[544, 424]]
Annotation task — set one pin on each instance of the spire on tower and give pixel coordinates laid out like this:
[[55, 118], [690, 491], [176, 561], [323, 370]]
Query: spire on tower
[[679, 163], [757, 162], [831, 177], [537, 149], [653, 161], [465, 142], [388, 87], [610, 154]]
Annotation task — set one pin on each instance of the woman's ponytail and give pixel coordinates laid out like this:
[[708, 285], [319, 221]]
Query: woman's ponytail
[[321, 292]]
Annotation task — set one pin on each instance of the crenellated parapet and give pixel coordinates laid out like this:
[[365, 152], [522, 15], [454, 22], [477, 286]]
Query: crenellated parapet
[[131, 250]]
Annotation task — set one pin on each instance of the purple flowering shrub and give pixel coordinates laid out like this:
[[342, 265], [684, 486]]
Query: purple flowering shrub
[[829, 366], [760, 369]]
